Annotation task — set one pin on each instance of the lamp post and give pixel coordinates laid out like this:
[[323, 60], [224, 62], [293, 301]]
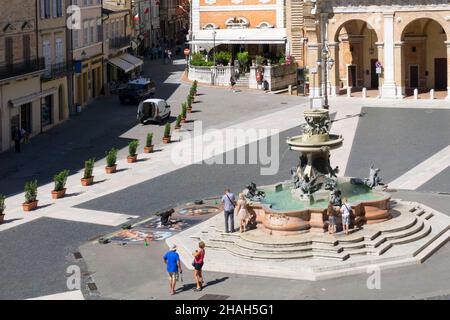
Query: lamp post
[[214, 46], [326, 63]]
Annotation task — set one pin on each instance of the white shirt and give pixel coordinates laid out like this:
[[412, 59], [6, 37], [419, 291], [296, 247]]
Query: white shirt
[[345, 209]]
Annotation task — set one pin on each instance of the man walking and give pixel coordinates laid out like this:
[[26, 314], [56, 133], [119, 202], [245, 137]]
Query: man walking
[[172, 260], [16, 136], [229, 201]]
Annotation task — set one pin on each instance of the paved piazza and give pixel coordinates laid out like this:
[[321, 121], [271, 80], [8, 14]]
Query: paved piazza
[[408, 140]]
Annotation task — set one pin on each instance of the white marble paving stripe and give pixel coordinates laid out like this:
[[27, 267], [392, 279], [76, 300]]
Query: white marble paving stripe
[[69, 295], [424, 171], [91, 216]]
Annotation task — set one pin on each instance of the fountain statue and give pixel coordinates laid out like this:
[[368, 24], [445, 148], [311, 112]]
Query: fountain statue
[[314, 177]]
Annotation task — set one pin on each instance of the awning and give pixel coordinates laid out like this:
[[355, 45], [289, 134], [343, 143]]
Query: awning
[[122, 64], [132, 59], [31, 97], [241, 36]]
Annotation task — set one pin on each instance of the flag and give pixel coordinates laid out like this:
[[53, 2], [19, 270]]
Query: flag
[[136, 17], [147, 10]]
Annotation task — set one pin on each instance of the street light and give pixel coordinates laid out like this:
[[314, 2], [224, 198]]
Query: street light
[[214, 46], [327, 64]]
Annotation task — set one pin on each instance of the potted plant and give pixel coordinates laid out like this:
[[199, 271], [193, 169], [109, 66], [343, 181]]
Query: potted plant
[[192, 93], [111, 158], [2, 208], [148, 143], [166, 138], [189, 103], [30, 196], [132, 147], [194, 85], [178, 122], [88, 178], [60, 180], [183, 112]]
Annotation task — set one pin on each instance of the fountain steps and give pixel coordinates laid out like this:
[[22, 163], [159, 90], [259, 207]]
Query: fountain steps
[[337, 247]]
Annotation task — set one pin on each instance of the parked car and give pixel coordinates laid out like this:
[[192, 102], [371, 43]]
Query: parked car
[[137, 90], [153, 110]]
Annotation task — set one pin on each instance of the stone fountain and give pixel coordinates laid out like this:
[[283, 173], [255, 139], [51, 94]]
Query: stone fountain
[[290, 221]]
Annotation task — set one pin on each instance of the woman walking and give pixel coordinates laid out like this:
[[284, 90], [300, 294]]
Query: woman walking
[[199, 256], [242, 212]]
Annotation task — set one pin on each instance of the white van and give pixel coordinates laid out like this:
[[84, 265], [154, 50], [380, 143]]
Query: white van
[[153, 110]]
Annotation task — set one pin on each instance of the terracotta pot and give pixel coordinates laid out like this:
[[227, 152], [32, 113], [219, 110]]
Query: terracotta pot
[[166, 140], [87, 182], [189, 109], [30, 205], [58, 194], [132, 159], [112, 169], [148, 149], [2, 218]]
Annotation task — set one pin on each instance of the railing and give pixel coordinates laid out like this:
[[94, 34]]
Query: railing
[[119, 42], [21, 68], [57, 70], [219, 76]]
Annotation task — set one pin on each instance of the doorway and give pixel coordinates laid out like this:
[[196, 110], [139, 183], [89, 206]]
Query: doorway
[[374, 84], [414, 76], [440, 73], [25, 117], [352, 76]]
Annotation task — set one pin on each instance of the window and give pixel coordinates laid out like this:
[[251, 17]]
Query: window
[[59, 8], [47, 9], [26, 48], [75, 39], [210, 26], [91, 32], [86, 33], [9, 58], [264, 25], [237, 23], [58, 50], [47, 53], [46, 110]]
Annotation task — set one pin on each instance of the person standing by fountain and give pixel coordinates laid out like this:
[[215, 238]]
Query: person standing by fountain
[[229, 203], [331, 213], [345, 211], [242, 212], [199, 256]]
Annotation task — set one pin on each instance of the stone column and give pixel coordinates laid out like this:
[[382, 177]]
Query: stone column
[[448, 69], [333, 74], [389, 89], [399, 69]]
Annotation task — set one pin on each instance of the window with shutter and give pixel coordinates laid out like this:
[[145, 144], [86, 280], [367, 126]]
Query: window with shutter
[[58, 50], [59, 8], [54, 8], [75, 39], [9, 58], [26, 48], [47, 9], [42, 7], [46, 52]]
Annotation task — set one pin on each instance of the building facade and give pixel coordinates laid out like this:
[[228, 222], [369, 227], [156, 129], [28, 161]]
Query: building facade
[[20, 71], [394, 46], [87, 52], [256, 26], [51, 31]]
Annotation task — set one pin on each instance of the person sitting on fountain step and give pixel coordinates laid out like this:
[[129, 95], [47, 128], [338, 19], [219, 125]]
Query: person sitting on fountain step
[[242, 212], [346, 209], [331, 213]]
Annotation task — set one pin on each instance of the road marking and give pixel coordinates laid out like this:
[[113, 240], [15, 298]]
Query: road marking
[[424, 171], [69, 295]]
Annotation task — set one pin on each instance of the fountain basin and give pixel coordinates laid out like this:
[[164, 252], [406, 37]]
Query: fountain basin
[[281, 213]]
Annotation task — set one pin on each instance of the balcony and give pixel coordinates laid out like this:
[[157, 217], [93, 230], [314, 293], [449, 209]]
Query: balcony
[[21, 68], [57, 70], [119, 42]]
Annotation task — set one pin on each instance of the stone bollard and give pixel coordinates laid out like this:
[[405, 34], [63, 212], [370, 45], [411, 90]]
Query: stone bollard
[[290, 89], [364, 93], [349, 92], [432, 94], [416, 94]]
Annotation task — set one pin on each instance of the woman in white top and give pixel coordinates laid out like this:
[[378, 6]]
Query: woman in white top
[[242, 212]]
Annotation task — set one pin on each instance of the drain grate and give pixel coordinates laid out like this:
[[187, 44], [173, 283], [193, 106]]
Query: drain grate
[[92, 286], [77, 255], [213, 297]]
